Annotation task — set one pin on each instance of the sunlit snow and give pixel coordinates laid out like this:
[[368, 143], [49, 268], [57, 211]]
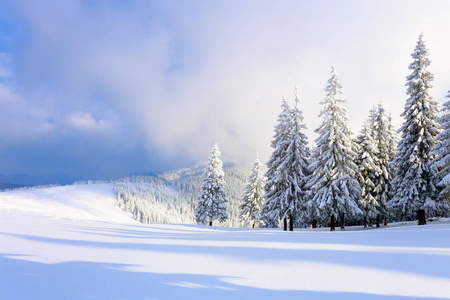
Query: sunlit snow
[[65, 243]]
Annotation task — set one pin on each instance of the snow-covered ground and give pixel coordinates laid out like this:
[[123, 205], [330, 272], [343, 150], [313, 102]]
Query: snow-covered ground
[[93, 202], [78, 251]]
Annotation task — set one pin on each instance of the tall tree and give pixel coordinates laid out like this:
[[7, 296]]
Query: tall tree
[[414, 183], [333, 189], [366, 159], [274, 184], [251, 206], [293, 170], [441, 151], [211, 202]]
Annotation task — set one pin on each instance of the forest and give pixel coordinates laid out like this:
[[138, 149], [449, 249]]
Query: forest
[[379, 176]]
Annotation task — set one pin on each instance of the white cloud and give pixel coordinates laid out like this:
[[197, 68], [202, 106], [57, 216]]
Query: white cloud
[[85, 121], [184, 76]]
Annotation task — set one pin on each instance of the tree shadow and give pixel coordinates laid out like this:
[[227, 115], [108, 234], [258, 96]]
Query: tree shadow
[[22, 279], [415, 263]]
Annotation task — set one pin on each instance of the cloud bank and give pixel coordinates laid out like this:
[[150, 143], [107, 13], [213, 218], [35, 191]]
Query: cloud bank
[[143, 85]]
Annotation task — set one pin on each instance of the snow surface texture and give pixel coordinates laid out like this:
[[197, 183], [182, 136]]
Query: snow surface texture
[[55, 258]]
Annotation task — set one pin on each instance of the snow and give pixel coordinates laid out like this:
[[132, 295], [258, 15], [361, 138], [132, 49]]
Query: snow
[[93, 202], [66, 254]]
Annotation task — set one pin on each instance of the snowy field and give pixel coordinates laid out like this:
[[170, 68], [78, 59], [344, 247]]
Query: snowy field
[[73, 243]]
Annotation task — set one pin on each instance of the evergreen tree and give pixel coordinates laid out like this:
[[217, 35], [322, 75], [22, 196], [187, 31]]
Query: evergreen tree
[[274, 184], [442, 162], [293, 170], [385, 140], [414, 183], [393, 144], [211, 202], [367, 159], [333, 187], [250, 209]]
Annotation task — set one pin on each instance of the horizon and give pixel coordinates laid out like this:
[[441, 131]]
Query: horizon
[[100, 90]]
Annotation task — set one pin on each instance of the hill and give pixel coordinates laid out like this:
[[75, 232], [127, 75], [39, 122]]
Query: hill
[[94, 202], [172, 197]]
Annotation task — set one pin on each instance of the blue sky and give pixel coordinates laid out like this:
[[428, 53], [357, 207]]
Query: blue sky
[[106, 88]]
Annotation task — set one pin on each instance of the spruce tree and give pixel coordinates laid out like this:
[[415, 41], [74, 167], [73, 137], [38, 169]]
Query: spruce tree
[[414, 183], [369, 172], [211, 202], [274, 184], [441, 151], [333, 189], [250, 209], [293, 170], [385, 140]]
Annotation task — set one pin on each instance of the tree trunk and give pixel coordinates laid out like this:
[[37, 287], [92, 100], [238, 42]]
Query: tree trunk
[[332, 224], [284, 224], [385, 221], [378, 220], [314, 223], [253, 225], [342, 221], [365, 221], [291, 223], [421, 216], [210, 223]]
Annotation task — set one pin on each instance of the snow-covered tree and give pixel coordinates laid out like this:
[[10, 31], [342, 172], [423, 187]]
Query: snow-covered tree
[[385, 140], [274, 185], [441, 151], [332, 186], [393, 143], [253, 198], [293, 170], [367, 159], [211, 202], [414, 182]]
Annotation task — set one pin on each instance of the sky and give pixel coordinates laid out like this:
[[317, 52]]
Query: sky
[[107, 88]]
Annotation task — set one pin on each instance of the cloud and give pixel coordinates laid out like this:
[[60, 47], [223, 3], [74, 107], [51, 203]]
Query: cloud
[[85, 121], [175, 77]]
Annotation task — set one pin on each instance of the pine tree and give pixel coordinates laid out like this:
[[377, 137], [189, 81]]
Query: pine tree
[[274, 185], [333, 187], [414, 183], [293, 170], [441, 151], [385, 140], [250, 209], [367, 159], [211, 202]]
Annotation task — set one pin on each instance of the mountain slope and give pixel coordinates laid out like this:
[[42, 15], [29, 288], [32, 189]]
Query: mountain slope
[[80, 202]]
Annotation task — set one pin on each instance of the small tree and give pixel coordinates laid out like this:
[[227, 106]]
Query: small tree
[[333, 189], [414, 183], [385, 140], [368, 172], [253, 198], [211, 202], [442, 162], [293, 170], [274, 184]]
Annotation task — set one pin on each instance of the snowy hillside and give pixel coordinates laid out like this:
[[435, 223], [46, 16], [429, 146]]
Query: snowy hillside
[[172, 197], [93, 202], [54, 247]]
